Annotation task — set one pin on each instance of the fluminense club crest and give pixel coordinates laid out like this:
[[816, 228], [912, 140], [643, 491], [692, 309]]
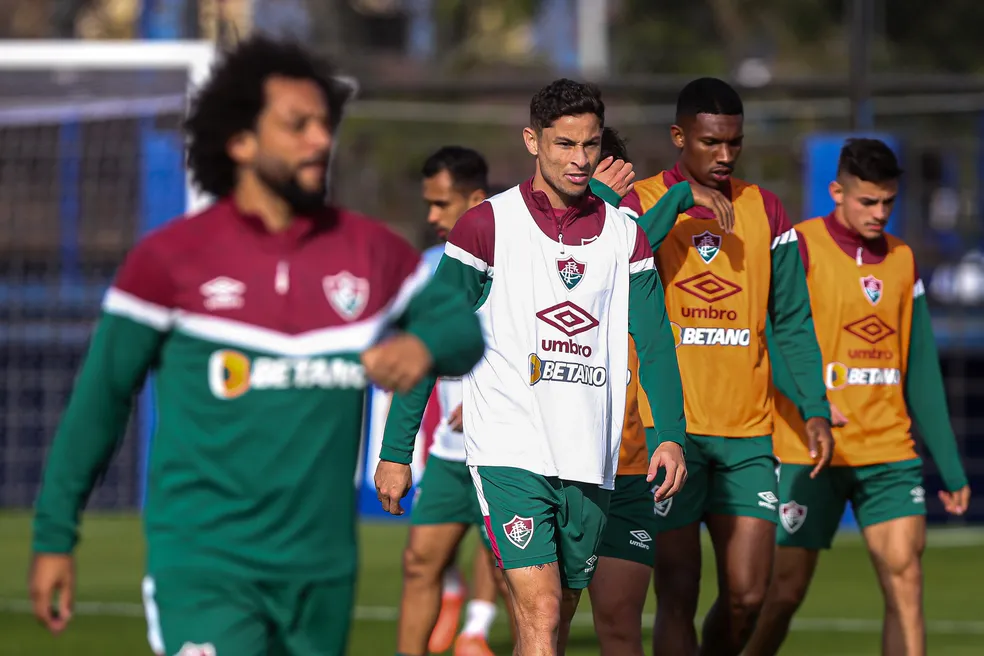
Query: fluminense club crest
[[571, 272], [519, 530], [708, 245], [872, 288], [792, 515], [347, 293]]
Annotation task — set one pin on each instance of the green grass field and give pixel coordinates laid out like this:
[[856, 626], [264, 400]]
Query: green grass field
[[841, 615]]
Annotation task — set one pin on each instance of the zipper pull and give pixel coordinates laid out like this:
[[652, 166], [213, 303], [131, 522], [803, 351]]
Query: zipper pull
[[561, 243], [860, 262], [282, 280]]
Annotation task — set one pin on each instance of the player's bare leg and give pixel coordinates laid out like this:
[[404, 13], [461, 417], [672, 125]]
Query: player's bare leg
[[744, 548], [791, 576], [568, 606], [676, 581], [537, 603], [896, 549], [487, 585], [430, 548], [618, 595]]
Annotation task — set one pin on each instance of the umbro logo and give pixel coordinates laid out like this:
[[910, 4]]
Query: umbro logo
[[223, 293], [768, 500], [640, 539]]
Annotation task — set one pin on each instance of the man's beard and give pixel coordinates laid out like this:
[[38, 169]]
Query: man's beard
[[300, 200]]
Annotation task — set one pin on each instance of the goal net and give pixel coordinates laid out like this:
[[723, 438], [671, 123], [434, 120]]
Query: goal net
[[91, 156]]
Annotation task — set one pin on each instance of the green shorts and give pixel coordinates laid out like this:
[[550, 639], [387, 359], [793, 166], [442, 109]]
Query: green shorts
[[725, 476], [446, 495], [535, 520], [631, 522], [812, 509], [207, 614]]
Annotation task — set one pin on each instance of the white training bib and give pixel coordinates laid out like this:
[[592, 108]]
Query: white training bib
[[549, 394]]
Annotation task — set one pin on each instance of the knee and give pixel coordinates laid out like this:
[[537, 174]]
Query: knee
[[787, 592], [748, 601], [538, 612], [618, 621], [419, 565]]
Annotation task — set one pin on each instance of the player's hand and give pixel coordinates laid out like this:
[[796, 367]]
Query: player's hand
[[617, 174], [669, 456], [837, 417], [717, 202], [393, 481], [956, 503], [398, 363], [454, 420], [820, 441], [53, 574]]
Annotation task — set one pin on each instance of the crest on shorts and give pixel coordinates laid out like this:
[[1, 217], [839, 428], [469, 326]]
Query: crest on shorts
[[347, 293], [571, 272], [189, 649], [792, 515], [519, 530], [662, 508], [872, 288], [708, 245]]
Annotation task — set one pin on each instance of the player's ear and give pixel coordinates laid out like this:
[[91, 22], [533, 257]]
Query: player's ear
[[476, 197], [676, 136], [836, 190], [242, 147], [529, 136]]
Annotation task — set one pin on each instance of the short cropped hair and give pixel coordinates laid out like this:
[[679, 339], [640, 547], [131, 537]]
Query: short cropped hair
[[870, 160], [613, 145], [708, 95], [233, 97], [565, 97], [467, 168]]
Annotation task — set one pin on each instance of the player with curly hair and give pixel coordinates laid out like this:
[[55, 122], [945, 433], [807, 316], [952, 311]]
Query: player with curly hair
[[261, 319]]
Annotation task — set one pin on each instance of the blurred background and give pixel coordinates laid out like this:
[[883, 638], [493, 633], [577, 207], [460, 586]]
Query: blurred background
[[91, 155]]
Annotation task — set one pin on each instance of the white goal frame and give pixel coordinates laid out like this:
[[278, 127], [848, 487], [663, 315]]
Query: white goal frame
[[195, 57]]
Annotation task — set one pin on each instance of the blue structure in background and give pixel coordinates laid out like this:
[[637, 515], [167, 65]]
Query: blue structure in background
[[162, 186], [70, 203], [822, 153]]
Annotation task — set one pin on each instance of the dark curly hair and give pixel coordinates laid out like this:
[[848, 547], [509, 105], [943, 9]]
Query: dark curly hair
[[565, 97], [613, 145], [233, 97]]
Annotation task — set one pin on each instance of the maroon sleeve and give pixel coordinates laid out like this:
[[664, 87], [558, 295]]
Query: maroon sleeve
[[632, 202], [145, 274], [779, 222], [474, 233], [400, 263], [642, 250], [804, 251]]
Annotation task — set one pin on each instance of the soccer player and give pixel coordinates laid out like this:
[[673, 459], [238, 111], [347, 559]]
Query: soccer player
[[720, 290], [882, 372], [625, 557], [559, 279], [455, 179], [252, 316]]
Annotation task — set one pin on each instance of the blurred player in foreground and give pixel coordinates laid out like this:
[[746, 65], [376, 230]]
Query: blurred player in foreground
[[560, 280], [882, 372], [721, 287], [253, 316], [625, 557], [455, 179]]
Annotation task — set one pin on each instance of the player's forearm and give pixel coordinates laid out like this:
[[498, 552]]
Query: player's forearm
[[91, 428], [658, 220], [403, 422], [444, 321], [792, 328], [781, 377], [659, 373], [926, 398]]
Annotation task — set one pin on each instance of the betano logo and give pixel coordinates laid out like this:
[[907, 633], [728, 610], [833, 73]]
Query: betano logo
[[839, 376], [694, 336], [231, 374], [565, 372]]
